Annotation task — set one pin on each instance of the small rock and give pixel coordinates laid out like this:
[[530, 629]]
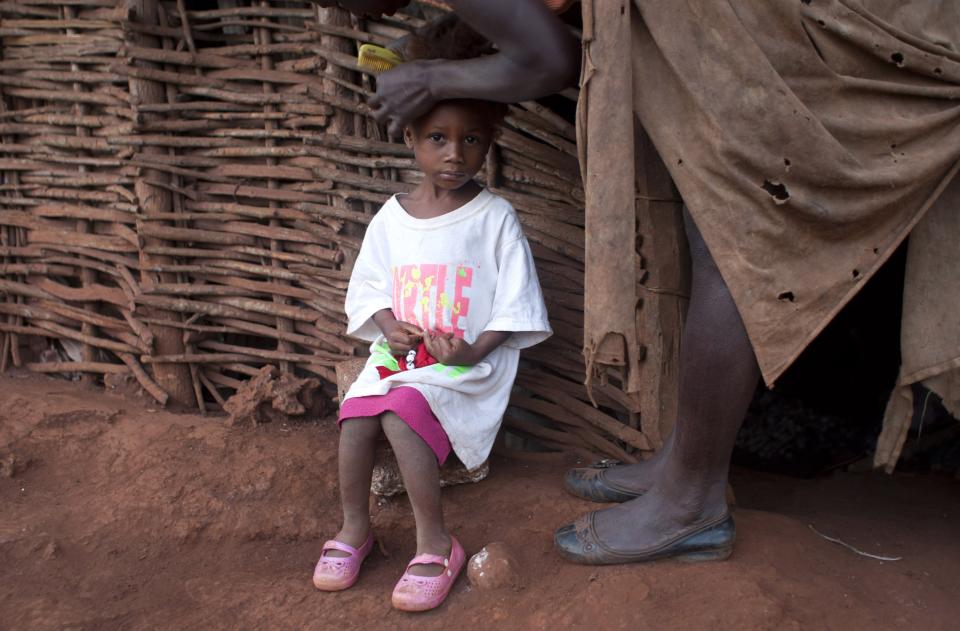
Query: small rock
[[124, 384], [50, 551], [494, 567], [11, 466]]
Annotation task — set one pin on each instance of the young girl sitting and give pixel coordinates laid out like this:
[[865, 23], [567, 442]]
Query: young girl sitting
[[445, 288]]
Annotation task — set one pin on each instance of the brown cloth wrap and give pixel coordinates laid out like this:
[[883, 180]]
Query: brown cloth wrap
[[807, 138]]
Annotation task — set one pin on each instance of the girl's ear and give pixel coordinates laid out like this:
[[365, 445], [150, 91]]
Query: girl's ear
[[408, 136]]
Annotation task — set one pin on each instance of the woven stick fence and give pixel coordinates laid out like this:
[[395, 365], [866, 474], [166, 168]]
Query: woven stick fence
[[184, 192]]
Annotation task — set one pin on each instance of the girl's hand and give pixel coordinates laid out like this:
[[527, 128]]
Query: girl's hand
[[450, 350], [402, 336]]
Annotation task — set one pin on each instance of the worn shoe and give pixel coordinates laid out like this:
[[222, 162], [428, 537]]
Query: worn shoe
[[333, 574], [713, 541], [422, 593], [591, 483]]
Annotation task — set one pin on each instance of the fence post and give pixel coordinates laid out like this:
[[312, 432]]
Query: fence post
[[173, 378]]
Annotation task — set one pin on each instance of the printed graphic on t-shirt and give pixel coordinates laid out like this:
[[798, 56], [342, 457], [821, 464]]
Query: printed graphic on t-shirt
[[433, 296], [383, 357]]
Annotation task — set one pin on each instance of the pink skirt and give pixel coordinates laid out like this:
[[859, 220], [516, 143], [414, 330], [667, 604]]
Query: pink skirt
[[409, 405]]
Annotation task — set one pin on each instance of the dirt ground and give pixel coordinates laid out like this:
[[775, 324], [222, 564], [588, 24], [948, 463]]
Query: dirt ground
[[117, 515]]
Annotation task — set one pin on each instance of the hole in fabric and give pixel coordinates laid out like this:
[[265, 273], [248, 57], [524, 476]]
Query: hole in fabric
[[846, 374], [821, 23], [785, 296], [897, 58], [777, 190], [680, 162], [806, 1], [856, 273], [622, 9], [786, 163], [938, 70], [876, 250], [893, 145]]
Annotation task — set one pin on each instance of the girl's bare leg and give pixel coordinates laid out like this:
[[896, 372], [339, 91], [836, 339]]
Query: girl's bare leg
[[358, 440], [421, 477]]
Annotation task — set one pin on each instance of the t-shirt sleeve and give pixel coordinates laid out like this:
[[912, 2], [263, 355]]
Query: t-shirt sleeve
[[371, 285], [518, 302]]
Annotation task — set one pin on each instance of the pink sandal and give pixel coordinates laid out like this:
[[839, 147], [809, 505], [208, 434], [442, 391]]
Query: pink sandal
[[421, 593], [333, 574]]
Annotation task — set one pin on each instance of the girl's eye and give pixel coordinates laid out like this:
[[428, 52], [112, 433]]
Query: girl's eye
[[435, 137], [471, 140]]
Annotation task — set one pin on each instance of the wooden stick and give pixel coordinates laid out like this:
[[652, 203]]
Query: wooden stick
[[144, 379], [319, 357], [4, 352], [219, 378], [243, 369], [327, 373], [592, 415], [266, 331], [94, 367], [197, 358], [212, 389], [586, 454], [195, 382], [62, 331]]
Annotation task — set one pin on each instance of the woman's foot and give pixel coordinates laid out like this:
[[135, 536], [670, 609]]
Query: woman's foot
[[638, 477], [616, 483], [598, 482], [655, 525]]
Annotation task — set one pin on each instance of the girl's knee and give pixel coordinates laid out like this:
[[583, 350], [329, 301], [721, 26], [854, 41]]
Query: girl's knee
[[393, 425], [360, 428]]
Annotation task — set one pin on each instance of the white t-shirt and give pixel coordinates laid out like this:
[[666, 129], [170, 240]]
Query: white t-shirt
[[465, 272]]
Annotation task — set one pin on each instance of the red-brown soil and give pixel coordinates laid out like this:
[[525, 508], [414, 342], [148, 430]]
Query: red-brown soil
[[117, 515]]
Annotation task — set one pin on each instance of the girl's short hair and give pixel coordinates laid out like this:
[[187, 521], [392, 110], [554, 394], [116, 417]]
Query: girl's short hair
[[496, 111], [499, 112]]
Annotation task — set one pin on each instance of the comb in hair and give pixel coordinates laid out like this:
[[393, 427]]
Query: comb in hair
[[377, 59]]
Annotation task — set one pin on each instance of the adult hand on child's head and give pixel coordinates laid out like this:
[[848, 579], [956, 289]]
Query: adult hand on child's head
[[449, 350], [403, 336], [403, 94]]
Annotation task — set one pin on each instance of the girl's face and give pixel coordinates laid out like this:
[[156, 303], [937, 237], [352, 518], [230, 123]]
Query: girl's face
[[451, 141]]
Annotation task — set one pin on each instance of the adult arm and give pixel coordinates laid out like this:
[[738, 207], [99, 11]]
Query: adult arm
[[536, 56]]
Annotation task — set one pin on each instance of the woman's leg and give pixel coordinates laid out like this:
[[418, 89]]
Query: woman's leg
[[358, 440], [718, 376], [421, 478]]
